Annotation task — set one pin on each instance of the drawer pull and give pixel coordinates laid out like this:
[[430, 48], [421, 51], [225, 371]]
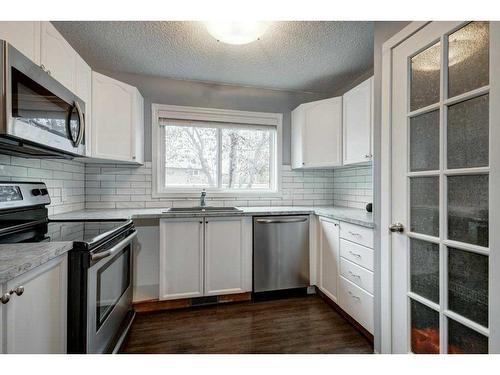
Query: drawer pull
[[354, 275], [356, 255], [353, 296], [355, 234]]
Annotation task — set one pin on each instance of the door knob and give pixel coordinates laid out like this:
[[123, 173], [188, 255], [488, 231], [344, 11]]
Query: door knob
[[397, 227]]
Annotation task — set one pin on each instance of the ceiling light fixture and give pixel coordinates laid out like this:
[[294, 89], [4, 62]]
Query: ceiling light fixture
[[236, 32]]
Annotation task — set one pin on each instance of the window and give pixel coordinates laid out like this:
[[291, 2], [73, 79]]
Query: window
[[224, 152]]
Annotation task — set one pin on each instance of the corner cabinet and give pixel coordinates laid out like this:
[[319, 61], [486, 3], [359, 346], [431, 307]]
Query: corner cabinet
[[117, 121], [358, 123], [317, 134], [205, 256], [329, 257], [34, 321]]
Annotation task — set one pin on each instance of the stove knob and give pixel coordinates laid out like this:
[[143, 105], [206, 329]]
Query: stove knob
[[36, 192]]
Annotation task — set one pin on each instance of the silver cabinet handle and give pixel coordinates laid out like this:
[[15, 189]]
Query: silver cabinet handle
[[6, 297], [353, 296], [273, 221], [354, 234], [48, 72], [355, 254], [114, 249], [43, 67], [368, 156], [354, 275]]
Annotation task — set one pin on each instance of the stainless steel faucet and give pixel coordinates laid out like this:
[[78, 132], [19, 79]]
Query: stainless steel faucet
[[202, 198]]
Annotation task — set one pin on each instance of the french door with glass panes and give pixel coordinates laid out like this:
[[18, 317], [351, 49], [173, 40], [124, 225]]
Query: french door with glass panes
[[441, 189]]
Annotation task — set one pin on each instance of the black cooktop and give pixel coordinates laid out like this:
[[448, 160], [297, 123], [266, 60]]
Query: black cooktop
[[81, 231]]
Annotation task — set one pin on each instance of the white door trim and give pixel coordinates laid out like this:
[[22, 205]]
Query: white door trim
[[385, 181]]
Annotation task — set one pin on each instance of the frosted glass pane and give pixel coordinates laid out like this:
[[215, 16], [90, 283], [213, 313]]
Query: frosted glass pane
[[468, 285], [424, 329], [424, 142], [468, 209], [463, 340], [468, 58], [424, 205], [425, 75], [468, 124], [424, 269]]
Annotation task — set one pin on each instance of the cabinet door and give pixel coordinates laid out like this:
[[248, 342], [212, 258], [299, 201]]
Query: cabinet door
[[58, 56], [322, 133], [228, 255], [181, 258], [36, 320], [358, 118], [329, 258], [83, 89], [24, 36], [113, 118]]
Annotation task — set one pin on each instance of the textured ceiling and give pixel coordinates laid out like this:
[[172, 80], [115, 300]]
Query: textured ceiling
[[304, 56]]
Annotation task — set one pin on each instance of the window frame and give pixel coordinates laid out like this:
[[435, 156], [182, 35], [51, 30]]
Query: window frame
[[259, 119]]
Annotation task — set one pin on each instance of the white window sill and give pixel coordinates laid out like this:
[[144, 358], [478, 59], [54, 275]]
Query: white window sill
[[216, 194]]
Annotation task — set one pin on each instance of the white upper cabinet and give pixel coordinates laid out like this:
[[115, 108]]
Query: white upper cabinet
[[357, 123], [57, 56], [117, 120], [317, 134], [35, 320], [83, 89], [24, 36]]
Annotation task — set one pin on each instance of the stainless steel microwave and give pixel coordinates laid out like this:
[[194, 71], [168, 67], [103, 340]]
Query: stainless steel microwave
[[39, 117]]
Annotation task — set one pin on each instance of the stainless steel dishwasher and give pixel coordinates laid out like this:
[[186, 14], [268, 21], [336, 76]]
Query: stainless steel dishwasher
[[280, 252]]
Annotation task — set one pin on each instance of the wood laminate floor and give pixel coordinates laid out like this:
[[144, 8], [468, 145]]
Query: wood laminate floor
[[292, 325]]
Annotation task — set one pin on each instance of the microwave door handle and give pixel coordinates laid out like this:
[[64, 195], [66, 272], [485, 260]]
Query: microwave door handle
[[114, 249], [81, 119]]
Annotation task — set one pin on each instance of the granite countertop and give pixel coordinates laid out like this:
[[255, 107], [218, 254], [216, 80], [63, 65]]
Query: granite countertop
[[16, 259], [350, 215]]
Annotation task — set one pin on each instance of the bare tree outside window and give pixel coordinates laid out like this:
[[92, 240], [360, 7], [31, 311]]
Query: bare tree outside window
[[192, 156]]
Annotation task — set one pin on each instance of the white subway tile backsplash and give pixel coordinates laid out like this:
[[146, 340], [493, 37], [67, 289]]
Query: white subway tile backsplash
[[352, 186], [64, 179], [130, 186]]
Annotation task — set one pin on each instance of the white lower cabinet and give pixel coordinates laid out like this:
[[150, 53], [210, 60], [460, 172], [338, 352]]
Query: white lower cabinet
[[346, 268], [228, 256], [357, 302], [329, 257], [181, 258], [205, 257], [35, 321]]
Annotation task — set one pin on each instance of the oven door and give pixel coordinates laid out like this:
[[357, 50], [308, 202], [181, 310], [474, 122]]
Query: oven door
[[39, 109], [109, 296]]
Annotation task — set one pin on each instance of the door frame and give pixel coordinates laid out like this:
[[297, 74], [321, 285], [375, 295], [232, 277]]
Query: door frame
[[385, 270]]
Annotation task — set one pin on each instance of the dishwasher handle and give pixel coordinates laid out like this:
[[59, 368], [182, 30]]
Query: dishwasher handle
[[282, 220]]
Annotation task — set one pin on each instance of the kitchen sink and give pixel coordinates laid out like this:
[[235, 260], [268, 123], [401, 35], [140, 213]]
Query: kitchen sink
[[202, 209]]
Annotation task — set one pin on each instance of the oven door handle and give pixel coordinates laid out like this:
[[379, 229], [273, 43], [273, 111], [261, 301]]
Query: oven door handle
[[114, 249]]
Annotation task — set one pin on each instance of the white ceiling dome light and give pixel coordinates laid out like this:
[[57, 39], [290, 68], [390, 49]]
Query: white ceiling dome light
[[237, 32]]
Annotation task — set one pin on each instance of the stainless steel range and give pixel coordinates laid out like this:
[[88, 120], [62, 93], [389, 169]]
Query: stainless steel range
[[100, 264]]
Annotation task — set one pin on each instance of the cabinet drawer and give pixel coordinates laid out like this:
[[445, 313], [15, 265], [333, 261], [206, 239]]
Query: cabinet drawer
[[357, 303], [358, 254], [358, 275], [357, 234]]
